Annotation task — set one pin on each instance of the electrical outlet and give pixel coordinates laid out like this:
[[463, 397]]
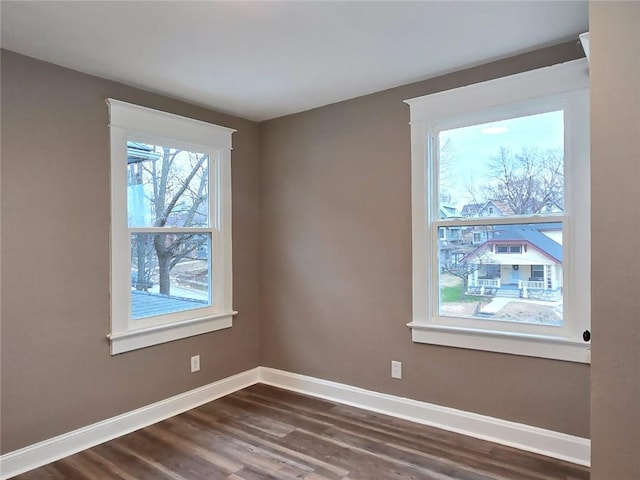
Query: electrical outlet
[[195, 363], [396, 369]]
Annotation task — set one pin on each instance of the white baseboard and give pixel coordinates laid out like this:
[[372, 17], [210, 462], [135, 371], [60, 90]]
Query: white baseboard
[[524, 437], [42, 453], [546, 442]]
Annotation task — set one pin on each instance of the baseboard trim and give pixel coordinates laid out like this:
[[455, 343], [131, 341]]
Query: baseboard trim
[[42, 453], [524, 437]]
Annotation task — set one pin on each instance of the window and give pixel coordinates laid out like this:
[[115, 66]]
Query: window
[[170, 227], [520, 143], [537, 272]]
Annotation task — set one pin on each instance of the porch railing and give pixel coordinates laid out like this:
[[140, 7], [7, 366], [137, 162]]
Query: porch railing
[[530, 284], [485, 282]]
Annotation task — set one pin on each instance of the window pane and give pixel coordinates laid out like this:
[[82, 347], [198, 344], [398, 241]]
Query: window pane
[[515, 275], [166, 187], [169, 273], [505, 168]]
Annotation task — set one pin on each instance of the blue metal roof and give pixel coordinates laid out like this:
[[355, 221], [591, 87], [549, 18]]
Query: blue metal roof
[[531, 233], [146, 304]]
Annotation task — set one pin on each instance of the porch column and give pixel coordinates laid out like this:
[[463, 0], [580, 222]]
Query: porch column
[[552, 272]]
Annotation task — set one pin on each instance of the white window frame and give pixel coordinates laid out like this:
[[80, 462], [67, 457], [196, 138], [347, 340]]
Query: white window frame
[[133, 122], [563, 86]]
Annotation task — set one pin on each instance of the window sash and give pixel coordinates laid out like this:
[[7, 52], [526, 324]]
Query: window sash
[[213, 220], [197, 311], [496, 326], [212, 159]]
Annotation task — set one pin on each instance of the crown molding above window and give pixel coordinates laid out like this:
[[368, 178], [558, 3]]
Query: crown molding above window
[[584, 39]]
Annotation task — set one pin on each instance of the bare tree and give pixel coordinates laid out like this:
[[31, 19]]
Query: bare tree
[[177, 184], [169, 188], [446, 174], [463, 264], [459, 265], [526, 182]]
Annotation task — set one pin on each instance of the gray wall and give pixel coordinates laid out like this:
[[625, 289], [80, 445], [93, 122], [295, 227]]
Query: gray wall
[[336, 263], [615, 159], [330, 262], [57, 373]]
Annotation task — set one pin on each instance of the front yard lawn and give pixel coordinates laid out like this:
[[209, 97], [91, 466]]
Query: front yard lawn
[[454, 294]]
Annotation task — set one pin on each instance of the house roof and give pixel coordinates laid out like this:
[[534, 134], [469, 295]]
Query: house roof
[[502, 206], [447, 211], [471, 209], [531, 234], [146, 304]]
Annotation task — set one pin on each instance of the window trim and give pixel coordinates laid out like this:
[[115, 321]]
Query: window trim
[[478, 103], [129, 121]]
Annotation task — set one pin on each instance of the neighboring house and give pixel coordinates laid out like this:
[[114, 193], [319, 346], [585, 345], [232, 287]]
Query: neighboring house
[[449, 238], [449, 211], [490, 208], [518, 260], [471, 210], [450, 234], [476, 235], [494, 208]]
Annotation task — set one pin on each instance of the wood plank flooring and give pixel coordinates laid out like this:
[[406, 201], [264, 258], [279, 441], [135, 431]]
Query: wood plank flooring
[[263, 432]]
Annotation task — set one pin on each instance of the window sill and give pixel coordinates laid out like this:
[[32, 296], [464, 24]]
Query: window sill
[[146, 337], [556, 348]]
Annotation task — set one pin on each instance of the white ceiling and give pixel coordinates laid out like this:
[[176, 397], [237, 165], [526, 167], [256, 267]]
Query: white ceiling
[[264, 59]]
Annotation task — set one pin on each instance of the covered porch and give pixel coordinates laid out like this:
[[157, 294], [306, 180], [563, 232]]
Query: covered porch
[[516, 280]]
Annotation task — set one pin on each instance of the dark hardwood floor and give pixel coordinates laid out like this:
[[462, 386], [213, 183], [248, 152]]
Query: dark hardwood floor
[[263, 432]]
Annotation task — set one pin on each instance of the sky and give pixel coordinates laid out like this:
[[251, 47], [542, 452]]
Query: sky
[[472, 147]]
